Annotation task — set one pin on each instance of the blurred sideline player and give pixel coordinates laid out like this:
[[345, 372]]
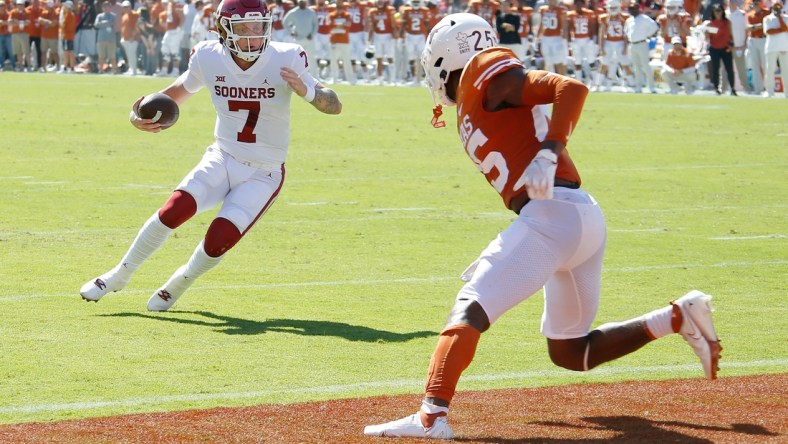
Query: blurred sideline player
[[415, 25], [381, 34], [552, 37], [322, 54], [556, 242], [358, 22], [674, 22], [582, 31], [244, 167], [612, 45]]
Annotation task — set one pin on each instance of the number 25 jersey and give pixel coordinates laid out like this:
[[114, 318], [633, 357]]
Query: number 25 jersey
[[502, 143], [252, 106]]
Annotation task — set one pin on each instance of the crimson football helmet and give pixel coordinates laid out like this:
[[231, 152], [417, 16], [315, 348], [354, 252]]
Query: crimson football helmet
[[242, 24]]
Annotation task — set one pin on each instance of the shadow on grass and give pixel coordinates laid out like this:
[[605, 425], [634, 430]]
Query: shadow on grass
[[632, 429], [239, 326]]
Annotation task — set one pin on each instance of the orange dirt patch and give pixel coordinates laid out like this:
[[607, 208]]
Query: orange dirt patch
[[730, 410]]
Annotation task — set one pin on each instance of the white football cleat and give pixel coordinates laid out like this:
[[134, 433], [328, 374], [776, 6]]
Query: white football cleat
[[113, 280], [411, 427], [166, 296], [697, 328]]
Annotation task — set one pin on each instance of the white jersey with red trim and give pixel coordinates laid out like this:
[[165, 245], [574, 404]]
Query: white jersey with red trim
[[252, 106]]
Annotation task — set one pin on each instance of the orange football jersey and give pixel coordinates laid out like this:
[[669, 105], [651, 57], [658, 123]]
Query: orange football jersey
[[357, 13], [680, 60], [503, 143], [340, 26], [486, 11], [581, 23], [323, 20], [381, 20], [552, 21], [416, 20], [614, 26], [677, 25]]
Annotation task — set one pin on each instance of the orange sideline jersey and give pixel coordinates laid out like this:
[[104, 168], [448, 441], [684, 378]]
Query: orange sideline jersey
[[552, 21], [503, 143], [415, 20], [357, 12], [435, 15], [754, 17], [674, 26], [486, 11], [155, 13], [581, 23], [128, 26], [278, 13], [4, 23], [175, 22], [614, 26], [18, 15], [323, 22], [680, 60], [208, 18], [381, 20], [340, 26], [68, 27], [33, 13], [525, 20], [49, 30]]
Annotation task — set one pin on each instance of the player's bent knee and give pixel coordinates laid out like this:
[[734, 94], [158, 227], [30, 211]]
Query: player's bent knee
[[568, 353], [179, 208], [222, 235], [466, 311]]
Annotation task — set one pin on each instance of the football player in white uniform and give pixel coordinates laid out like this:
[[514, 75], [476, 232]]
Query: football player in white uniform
[[250, 80]]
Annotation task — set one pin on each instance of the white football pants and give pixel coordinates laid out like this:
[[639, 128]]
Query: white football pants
[[247, 190], [557, 244]]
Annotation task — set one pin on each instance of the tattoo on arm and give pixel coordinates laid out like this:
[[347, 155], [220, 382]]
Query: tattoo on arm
[[326, 101]]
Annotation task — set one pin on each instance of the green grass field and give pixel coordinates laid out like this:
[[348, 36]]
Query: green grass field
[[340, 290]]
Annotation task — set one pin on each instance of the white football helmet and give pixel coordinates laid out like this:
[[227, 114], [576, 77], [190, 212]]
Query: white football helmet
[[239, 20], [672, 7], [613, 7], [450, 45]]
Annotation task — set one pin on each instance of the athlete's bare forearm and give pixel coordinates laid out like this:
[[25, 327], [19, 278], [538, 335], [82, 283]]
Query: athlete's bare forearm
[[326, 101]]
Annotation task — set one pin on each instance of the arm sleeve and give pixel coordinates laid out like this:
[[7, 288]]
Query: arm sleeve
[[567, 96], [297, 65], [193, 79]]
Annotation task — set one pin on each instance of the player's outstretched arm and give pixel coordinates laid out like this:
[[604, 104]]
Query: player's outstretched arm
[[325, 100]]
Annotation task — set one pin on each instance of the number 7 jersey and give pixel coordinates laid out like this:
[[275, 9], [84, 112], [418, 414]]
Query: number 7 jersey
[[502, 143], [252, 106]]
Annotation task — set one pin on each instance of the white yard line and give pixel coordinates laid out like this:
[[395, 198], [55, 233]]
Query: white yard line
[[352, 389], [18, 297], [766, 236]]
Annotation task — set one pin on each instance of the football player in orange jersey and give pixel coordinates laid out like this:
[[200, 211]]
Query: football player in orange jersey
[[612, 44], [381, 34], [673, 23], [556, 242], [358, 27], [415, 21], [486, 9], [553, 36], [582, 32]]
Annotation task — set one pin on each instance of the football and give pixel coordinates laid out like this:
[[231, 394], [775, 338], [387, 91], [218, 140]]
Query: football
[[159, 108]]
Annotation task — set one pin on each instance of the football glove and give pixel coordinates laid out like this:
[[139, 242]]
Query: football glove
[[539, 176]]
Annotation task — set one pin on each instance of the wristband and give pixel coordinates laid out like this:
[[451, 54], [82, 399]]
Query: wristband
[[310, 93]]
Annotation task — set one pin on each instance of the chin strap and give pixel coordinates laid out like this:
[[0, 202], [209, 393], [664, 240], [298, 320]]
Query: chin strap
[[437, 112]]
